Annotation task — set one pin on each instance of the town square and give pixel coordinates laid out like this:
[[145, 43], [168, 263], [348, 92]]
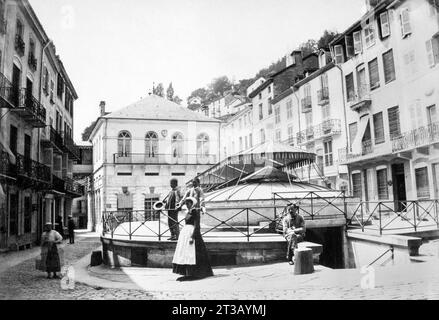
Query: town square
[[210, 150]]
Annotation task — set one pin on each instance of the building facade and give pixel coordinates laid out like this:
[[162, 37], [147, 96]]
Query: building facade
[[389, 61], [36, 100], [138, 149]]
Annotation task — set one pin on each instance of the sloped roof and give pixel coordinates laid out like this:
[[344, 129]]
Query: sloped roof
[[157, 108]]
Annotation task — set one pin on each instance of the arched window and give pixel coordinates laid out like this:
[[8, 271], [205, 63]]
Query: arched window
[[203, 145], [124, 144], [177, 145], [151, 145]]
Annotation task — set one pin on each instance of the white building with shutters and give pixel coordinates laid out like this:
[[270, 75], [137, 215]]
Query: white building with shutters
[[390, 60], [142, 146]]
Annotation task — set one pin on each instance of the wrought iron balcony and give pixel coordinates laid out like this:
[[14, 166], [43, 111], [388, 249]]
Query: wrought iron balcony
[[73, 187], [32, 62], [324, 129], [7, 169], [32, 170], [29, 108], [70, 147], [348, 157], [416, 138], [144, 158], [19, 45], [360, 98], [323, 96], [6, 92], [306, 104], [53, 139]]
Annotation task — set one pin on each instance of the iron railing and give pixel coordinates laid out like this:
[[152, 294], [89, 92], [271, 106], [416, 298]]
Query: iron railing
[[393, 216], [6, 167], [324, 129], [392, 256], [359, 98], [6, 91], [323, 96], [245, 222], [306, 104], [366, 148], [160, 158], [33, 110], [416, 138], [70, 146], [72, 186], [32, 169]]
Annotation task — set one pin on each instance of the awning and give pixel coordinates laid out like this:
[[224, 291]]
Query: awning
[[5, 147], [356, 144]]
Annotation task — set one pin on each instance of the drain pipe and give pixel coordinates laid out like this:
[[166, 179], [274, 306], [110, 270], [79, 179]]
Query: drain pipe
[[345, 122], [40, 89]]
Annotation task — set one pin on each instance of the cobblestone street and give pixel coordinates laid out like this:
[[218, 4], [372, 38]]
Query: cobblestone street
[[20, 280]]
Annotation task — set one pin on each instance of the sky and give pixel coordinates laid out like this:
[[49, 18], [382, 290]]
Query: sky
[[114, 50]]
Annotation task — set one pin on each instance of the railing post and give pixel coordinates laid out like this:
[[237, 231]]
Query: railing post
[[312, 207], [345, 206], [379, 212], [415, 213], [130, 218], [248, 228], [435, 212], [362, 218], [160, 228]]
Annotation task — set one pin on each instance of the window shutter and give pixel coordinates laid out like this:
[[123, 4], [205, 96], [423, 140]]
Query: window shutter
[[394, 124], [406, 28], [378, 127], [356, 185], [349, 41], [430, 54], [385, 25], [350, 89], [358, 46], [389, 66], [374, 76], [369, 35], [435, 45], [353, 128], [338, 52], [422, 185], [383, 191]]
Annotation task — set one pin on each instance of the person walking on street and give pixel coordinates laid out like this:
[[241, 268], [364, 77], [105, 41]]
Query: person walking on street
[[173, 200], [49, 251], [59, 226], [293, 230], [71, 227]]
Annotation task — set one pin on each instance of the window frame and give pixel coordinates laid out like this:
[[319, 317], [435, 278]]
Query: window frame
[[384, 56], [387, 34], [377, 84]]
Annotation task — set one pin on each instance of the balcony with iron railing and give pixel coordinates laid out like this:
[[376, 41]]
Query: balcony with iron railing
[[360, 98], [171, 159], [325, 129], [70, 147], [32, 170], [32, 62], [349, 157], [7, 168], [306, 104], [417, 138], [28, 108], [323, 96], [6, 92], [19, 45], [72, 187]]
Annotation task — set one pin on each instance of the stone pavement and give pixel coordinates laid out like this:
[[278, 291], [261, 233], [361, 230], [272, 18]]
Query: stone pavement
[[270, 281]]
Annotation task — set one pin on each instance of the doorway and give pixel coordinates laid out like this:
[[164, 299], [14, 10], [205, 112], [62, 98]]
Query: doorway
[[16, 75], [399, 189]]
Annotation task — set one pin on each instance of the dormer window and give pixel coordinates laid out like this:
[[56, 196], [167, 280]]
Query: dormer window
[[358, 46], [384, 24], [369, 35]]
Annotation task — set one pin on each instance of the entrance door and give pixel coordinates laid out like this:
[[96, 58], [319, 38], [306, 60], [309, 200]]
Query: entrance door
[[16, 74], [399, 191], [13, 214], [27, 153]]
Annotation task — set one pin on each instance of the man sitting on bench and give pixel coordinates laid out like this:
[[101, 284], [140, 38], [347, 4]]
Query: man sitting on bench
[[293, 230]]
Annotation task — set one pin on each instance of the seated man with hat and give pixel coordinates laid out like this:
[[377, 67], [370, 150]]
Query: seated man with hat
[[293, 230]]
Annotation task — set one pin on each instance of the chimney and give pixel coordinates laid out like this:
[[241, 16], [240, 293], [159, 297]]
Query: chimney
[[102, 108]]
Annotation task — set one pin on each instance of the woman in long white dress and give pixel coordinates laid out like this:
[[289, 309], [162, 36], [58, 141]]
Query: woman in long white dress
[[191, 259]]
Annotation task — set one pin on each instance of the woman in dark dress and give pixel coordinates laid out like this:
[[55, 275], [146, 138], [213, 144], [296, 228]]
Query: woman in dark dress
[[49, 251], [191, 259]]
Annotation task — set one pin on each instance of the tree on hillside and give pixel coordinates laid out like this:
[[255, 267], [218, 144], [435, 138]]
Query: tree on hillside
[[159, 90], [308, 47], [170, 92], [326, 38], [87, 131], [201, 92], [220, 85]]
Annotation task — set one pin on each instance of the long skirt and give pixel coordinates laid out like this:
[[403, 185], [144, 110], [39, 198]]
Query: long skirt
[[191, 259], [53, 263]]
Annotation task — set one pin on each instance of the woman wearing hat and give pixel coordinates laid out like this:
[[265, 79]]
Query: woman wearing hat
[[191, 259], [49, 250]]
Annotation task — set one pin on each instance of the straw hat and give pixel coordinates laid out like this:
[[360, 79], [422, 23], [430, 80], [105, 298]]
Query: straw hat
[[191, 199]]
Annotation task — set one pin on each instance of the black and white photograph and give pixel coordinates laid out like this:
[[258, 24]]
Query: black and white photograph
[[245, 151]]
